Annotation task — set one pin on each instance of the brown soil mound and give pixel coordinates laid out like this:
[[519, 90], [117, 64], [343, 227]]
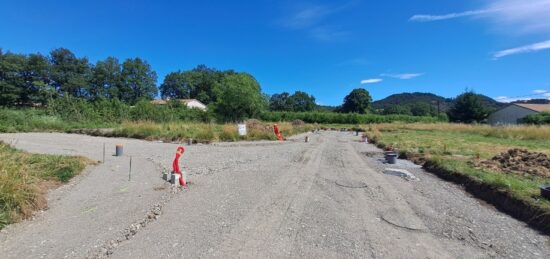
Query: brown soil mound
[[256, 125], [520, 161], [298, 123]]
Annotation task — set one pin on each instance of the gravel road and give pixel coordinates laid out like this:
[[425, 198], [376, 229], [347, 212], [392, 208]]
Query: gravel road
[[327, 198]]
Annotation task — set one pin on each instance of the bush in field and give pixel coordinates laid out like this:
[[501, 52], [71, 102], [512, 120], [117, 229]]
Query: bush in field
[[73, 109], [239, 97], [538, 119], [358, 101], [468, 108], [29, 119]]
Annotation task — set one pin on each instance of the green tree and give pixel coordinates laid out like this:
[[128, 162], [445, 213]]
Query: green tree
[[199, 83], [204, 81], [239, 97], [176, 85], [107, 79], [297, 102], [36, 75], [422, 109], [358, 101], [398, 109], [301, 102], [138, 81], [11, 80], [70, 74], [468, 108], [279, 102]]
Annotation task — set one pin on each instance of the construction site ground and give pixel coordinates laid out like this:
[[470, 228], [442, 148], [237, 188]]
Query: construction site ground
[[327, 198]]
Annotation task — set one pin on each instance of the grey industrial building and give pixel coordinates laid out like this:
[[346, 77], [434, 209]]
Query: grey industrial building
[[513, 113]]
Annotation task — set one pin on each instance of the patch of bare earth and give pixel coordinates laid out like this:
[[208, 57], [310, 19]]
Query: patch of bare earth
[[519, 161]]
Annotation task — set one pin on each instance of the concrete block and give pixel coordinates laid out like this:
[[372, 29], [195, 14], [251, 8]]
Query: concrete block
[[166, 176], [401, 173], [175, 179]]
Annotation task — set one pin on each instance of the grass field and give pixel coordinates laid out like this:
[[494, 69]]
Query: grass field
[[25, 178], [457, 147]]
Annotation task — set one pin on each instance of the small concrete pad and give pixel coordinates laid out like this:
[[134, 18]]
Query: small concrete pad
[[401, 173]]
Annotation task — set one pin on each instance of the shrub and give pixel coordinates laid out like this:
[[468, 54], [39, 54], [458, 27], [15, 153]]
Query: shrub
[[537, 119]]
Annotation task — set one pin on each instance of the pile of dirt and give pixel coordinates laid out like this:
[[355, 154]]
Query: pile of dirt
[[298, 123], [519, 161], [256, 125]]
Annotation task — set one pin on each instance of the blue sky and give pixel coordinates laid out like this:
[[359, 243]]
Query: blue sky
[[500, 48]]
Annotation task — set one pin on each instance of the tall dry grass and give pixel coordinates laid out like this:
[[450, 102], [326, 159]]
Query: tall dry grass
[[520, 132], [204, 132]]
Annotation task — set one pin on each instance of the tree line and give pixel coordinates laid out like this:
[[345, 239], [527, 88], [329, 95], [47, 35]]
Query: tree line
[[30, 80], [36, 80]]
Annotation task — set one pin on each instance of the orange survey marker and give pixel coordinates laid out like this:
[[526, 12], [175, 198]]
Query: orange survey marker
[[176, 167], [277, 132]]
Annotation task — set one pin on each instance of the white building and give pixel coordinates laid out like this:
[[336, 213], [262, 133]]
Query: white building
[[190, 103], [513, 113]]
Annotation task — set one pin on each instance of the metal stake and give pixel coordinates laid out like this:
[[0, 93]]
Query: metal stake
[[130, 171]]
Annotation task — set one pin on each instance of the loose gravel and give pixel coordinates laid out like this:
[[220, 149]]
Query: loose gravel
[[327, 198]]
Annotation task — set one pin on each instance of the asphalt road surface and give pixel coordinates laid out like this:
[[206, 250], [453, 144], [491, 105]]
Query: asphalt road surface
[[327, 198]]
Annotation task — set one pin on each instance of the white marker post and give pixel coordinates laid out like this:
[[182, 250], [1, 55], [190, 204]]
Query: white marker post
[[242, 129]]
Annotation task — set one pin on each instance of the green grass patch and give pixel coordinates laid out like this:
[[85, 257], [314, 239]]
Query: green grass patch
[[25, 177]]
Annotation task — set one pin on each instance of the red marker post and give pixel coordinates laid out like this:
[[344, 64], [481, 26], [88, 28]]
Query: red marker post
[[176, 167], [277, 132]]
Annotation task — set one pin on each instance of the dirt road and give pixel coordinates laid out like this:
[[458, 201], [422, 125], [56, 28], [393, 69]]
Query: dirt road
[[324, 199]]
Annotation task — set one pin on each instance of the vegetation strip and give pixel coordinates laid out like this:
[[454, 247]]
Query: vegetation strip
[[25, 178], [534, 215], [457, 153]]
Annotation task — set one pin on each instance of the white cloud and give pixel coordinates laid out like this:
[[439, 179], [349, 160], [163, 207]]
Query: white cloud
[[523, 15], [313, 20], [403, 76], [307, 17], [538, 95], [371, 81], [431, 18], [523, 49], [501, 98], [505, 99]]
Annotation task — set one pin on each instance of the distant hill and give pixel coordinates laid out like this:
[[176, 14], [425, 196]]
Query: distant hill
[[492, 103], [429, 98], [411, 98], [534, 101]]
